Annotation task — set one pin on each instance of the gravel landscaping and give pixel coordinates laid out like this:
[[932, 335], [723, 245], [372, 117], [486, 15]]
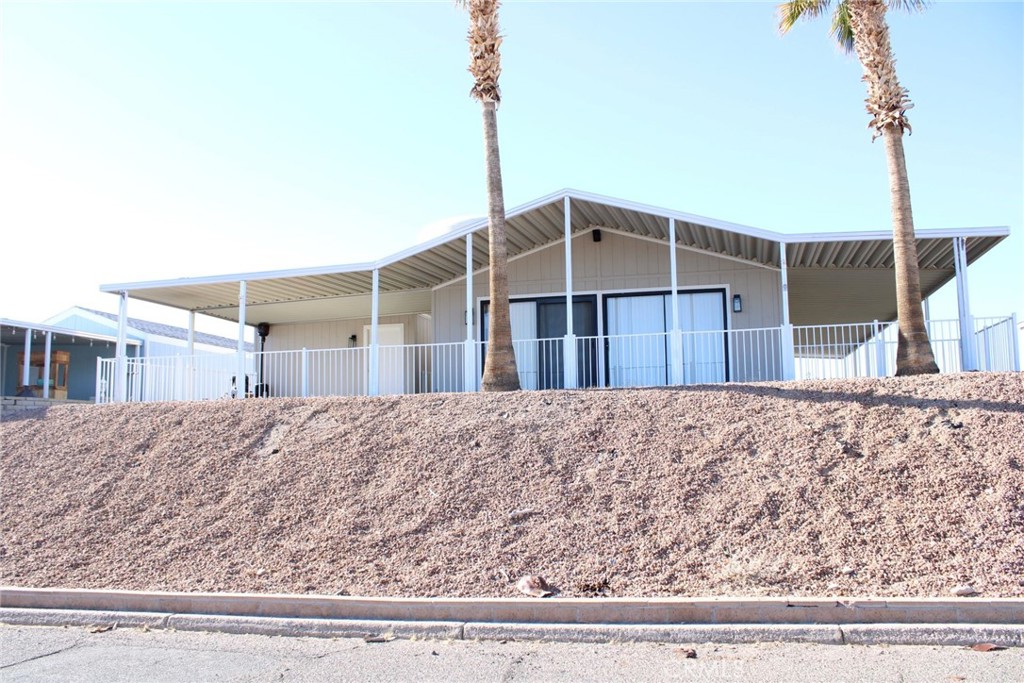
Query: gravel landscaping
[[895, 487]]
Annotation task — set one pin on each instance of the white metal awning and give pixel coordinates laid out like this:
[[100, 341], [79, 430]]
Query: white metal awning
[[833, 276]]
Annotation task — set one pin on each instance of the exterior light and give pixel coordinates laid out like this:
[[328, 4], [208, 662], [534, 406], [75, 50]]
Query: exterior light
[[737, 303]]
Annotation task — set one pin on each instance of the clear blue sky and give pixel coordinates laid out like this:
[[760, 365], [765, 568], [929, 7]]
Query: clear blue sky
[[152, 140]]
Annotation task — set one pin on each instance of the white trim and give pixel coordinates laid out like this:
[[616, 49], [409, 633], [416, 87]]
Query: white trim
[[886, 235], [63, 330]]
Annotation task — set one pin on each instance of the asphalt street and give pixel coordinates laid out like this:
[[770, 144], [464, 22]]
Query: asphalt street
[[34, 653]]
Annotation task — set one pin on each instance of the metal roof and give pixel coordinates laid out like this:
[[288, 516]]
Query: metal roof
[[324, 291], [12, 333]]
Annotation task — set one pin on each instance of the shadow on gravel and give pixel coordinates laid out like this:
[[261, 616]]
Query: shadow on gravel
[[867, 398], [30, 414]]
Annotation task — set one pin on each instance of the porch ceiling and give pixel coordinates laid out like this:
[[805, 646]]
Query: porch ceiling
[[12, 333], [286, 296]]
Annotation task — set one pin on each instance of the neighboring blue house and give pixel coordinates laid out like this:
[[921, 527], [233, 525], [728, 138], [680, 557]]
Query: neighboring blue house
[[75, 339]]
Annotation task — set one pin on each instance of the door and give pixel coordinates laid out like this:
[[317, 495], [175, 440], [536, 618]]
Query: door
[[639, 345], [538, 330], [391, 338]]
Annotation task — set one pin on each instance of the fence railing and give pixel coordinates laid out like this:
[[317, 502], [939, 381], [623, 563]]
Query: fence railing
[[629, 360]]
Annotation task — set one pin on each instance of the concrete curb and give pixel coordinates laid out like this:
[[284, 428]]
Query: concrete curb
[[603, 611], [932, 621], [834, 634]]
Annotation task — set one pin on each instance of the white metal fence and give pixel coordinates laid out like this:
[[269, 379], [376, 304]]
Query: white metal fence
[[632, 360]]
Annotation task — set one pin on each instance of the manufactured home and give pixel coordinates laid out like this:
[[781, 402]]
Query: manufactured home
[[604, 293]]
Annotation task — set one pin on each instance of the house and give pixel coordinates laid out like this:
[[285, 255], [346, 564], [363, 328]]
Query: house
[[40, 363], [658, 297], [79, 336]]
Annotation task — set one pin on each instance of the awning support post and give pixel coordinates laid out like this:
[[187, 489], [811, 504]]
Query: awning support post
[[968, 359], [469, 352], [374, 383], [26, 367], [1014, 344], [240, 374], [191, 354], [788, 352], [676, 334], [569, 367], [46, 364], [121, 382], [880, 369]]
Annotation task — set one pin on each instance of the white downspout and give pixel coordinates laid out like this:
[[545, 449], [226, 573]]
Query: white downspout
[[121, 381], [374, 341], [240, 375], [968, 360], [676, 334], [569, 368], [469, 360]]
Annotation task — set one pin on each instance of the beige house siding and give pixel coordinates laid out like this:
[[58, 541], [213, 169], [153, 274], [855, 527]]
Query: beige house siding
[[617, 263], [334, 334]]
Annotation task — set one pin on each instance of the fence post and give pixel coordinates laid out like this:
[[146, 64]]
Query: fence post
[[788, 352], [880, 369], [305, 373], [99, 374]]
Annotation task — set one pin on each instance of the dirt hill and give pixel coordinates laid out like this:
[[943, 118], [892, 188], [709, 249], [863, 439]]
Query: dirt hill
[[866, 487]]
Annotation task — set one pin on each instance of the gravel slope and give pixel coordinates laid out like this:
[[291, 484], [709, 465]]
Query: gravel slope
[[903, 487]]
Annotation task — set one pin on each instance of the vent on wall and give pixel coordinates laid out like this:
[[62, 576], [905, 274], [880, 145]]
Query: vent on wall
[[597, 235]]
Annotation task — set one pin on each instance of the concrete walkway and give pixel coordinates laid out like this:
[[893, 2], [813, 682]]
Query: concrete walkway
[[35, 654]]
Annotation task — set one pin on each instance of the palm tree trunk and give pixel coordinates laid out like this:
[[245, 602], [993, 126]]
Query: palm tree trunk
[[500, 373], [913, 350], [887, 102]]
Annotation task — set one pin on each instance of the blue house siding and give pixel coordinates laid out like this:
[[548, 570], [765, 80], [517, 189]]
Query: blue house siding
[[81, 374]]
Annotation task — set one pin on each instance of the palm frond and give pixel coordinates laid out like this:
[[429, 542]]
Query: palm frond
[[842, 30], [795, 10]]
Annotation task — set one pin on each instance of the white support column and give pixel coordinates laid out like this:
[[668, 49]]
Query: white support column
[[26, 367], [374, 343], [880, 369], [121, 381], [240, 374], [676, 334], [788, 353], [191, 340], [469, 379], [569, 368], [1014, 344], [968, 359], [46, 364]]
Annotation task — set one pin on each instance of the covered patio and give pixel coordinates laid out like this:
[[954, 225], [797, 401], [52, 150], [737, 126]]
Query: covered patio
[[605, 292]]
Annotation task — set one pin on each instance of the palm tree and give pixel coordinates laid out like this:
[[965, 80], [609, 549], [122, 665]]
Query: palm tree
[[484, 38], [859, 26]]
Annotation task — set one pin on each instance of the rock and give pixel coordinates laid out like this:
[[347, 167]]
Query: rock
[[964, 590], [534, 585], [846, 571], [832, 587]]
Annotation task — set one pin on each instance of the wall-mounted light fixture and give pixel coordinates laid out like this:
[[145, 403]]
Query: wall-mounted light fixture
[[352, 341], [737, 303]]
